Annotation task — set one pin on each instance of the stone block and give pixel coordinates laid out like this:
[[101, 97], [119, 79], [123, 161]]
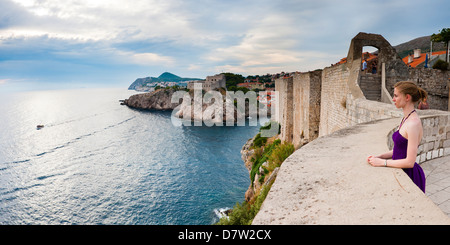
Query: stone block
[[447, 151], [444, 120], [448, 120], [420, 149], [446, 143], [435, 154], [435, 131], [423, 157]]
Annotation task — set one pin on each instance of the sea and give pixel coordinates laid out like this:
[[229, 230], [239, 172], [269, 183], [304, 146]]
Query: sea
[[97, 162]]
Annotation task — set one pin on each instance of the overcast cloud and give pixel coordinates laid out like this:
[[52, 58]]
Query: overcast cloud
[[116, 41]]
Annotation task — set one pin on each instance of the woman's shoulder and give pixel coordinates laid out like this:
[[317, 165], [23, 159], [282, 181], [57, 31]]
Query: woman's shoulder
[[414, 123]]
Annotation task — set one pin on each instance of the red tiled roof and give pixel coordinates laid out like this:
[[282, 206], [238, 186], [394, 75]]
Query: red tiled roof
[[371, 57], [421, 59]]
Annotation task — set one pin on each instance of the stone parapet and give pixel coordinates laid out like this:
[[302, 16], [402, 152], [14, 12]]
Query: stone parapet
[[329, 181]]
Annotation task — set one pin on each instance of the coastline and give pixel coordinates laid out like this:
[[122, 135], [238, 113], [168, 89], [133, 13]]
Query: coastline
[[208, 108], [262, 158], [261, 174]]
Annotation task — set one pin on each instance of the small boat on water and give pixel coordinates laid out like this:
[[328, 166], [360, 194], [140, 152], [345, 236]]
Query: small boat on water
[[39, 126]]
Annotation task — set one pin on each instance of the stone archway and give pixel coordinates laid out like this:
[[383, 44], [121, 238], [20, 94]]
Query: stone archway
[[370, 57], [368, 86], [386, 52]]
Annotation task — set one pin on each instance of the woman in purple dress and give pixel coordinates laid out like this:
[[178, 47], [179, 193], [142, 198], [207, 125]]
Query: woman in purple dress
[[407, 137]]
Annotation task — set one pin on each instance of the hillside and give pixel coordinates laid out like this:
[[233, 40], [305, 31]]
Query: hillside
[[422, 43], [167, 76], [153, 81]]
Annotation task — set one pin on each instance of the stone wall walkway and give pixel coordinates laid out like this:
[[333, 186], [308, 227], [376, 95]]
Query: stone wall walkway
[[437, 172], [329, 181]]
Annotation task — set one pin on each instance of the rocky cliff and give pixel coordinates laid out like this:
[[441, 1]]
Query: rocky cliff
[[211, 110], [255, 187], [156, 100]]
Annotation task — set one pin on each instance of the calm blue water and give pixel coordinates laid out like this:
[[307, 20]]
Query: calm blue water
[[98, 162]]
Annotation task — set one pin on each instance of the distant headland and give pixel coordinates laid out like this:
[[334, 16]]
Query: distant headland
[[166, 79]]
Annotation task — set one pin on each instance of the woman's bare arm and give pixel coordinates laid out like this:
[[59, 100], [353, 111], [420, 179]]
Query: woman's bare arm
[[411, 154]]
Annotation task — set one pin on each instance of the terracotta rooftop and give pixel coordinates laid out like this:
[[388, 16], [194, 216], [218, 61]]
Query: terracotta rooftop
[[421, 59], [369, 57]]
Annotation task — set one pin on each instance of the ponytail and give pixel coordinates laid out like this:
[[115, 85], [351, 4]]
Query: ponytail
[[423, 94], [407, 87]]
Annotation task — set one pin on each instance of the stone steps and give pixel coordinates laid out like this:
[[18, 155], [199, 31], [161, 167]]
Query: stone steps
[[370, 85]]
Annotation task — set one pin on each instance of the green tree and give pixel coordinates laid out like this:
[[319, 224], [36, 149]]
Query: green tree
[[233, 79], [442, 36]]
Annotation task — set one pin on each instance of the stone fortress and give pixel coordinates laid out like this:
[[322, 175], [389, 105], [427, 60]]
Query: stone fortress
[[335, 118], [211, 82], [320, 102]]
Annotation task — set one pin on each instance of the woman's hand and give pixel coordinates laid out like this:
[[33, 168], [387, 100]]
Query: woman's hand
[[375, 161]]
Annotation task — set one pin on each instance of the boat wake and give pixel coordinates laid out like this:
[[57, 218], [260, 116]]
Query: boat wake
[[75, 119], [70, 142]]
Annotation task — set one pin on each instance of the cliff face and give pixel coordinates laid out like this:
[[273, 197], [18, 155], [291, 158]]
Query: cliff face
[[209, 112], [191, 107], [156, 100], [214, 111], [247, 153]]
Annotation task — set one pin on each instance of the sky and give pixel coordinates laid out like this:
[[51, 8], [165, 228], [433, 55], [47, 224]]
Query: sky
[[101, 43]]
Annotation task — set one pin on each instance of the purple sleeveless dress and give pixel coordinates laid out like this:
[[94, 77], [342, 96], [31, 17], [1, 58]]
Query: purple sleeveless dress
[[399, 152]]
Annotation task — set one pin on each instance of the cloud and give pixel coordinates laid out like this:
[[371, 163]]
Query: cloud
[[3, 81], [195, 38], [150, 59], [102, 20], [268, 45]]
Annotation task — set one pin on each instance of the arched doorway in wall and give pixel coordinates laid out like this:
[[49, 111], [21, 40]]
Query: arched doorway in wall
[[370, 75], [387, 58], [370, 56]]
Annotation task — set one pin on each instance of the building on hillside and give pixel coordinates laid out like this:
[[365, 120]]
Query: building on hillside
[[266, 97], [371, 61], [211, 82], [250, 80], [419, 59], [252, 85]]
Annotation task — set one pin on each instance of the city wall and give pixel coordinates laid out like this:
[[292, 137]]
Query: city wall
[[313, 104], [329, 182], [328, 110]]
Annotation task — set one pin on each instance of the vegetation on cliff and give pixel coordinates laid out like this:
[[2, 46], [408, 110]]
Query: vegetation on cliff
[[243, 214], [268, 155]]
